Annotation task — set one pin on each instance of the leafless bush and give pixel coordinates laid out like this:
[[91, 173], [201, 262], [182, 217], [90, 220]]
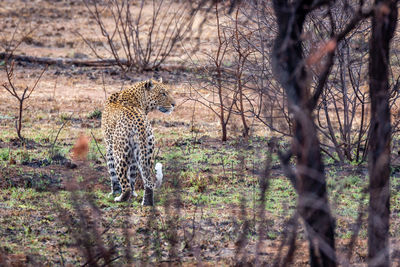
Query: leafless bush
[[216, 93], [224, 80], [238, 80], [20, 93], [268, 100], [343, 112], [142, 38], [343, 108]]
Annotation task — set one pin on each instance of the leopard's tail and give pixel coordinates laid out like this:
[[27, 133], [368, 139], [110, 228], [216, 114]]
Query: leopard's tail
[[159, 174]]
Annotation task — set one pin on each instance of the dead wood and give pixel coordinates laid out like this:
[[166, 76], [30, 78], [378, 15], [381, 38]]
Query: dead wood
[[59, 61], [65, 62]]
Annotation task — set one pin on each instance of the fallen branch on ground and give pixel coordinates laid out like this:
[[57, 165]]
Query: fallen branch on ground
[[63, 62], [59, 61]]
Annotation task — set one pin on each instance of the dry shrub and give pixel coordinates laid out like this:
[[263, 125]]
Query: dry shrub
[[142, 36]]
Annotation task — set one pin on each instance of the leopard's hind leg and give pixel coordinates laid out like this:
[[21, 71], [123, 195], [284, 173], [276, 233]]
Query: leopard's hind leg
[[132, 174], [121, 167], [115, 187]]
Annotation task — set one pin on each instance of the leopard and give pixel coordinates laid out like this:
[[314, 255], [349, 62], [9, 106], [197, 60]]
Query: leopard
[[129, 137]]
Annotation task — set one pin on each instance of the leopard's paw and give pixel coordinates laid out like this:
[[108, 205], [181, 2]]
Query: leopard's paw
[[118, 199], [123, 197]]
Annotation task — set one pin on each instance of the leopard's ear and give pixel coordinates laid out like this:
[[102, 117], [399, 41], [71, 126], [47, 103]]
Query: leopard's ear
[[149, 85], [160, 80]]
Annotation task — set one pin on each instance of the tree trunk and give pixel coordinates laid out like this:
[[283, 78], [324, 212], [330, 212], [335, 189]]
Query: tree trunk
[[383, 25], [18, 123], [288, 66]]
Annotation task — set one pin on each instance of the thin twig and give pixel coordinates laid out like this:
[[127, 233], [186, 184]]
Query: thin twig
[[98, 148], [58, 132]]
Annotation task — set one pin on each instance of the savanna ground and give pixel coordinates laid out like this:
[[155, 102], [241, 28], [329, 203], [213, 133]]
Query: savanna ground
[[44, 192]]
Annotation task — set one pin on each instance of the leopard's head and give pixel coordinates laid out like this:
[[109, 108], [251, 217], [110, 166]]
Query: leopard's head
[[158, 97]]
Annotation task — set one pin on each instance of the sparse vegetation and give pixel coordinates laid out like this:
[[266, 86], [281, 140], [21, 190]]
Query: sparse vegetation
[[236, 202]]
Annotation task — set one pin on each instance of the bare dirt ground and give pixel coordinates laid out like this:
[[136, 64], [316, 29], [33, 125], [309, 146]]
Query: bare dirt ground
[[36, 178]]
